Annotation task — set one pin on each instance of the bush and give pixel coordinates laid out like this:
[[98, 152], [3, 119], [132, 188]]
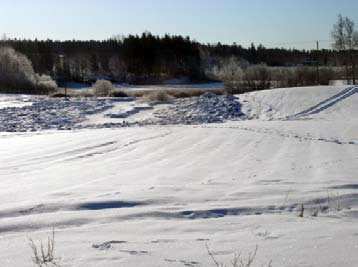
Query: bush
[[283, 77], [257, 77], [326, 75], [103, 88], [45, 82], [181, 94], [158, 96], [306, 76], [174, 93], [118, 94], [240, 77]]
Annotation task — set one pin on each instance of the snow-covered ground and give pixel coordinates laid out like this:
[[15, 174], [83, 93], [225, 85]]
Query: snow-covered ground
[[156, 192]]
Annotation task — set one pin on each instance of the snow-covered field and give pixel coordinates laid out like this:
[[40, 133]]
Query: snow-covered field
[[131, 184]]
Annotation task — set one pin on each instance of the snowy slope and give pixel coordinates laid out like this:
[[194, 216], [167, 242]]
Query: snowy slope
[[155, 195], [326, 102]]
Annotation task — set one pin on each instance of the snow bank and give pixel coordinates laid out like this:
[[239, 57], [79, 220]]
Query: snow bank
[[319, 102]]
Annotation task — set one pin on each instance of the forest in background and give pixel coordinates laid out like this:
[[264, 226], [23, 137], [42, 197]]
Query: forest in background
[[150, 59]]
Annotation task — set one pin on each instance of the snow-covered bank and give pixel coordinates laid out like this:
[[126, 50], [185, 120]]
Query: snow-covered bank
[[321, 102], [156, 195]]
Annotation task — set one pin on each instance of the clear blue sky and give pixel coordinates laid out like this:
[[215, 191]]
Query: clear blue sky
[[269, 22]]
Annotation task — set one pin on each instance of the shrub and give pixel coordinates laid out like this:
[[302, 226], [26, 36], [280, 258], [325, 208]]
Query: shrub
[[181, 94], [306, 76], [103, 88], [326, 75], [46, 82], [174, 93], [257, 77], [118, 94], [157, 96]]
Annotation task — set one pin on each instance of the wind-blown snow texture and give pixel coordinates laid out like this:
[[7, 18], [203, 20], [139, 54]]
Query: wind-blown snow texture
[[155, 195]]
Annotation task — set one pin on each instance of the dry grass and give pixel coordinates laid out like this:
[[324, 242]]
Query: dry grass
[[174, 93], [44, 256], [62, 92], [238, 260], [155, 95]]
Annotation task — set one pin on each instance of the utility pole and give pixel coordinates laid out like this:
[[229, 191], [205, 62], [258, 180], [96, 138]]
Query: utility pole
[[317, 63], [353, 68], [62, 67]]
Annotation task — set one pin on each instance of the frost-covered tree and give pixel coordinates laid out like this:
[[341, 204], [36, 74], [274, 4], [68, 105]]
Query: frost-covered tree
[[15, 70], [230, 71], [345, 39], [17, 74]]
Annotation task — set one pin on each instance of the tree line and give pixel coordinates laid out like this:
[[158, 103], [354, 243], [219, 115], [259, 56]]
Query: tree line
[[148, 58]]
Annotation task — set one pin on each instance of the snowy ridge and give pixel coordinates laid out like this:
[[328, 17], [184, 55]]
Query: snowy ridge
[[331, 101], [323, 102]]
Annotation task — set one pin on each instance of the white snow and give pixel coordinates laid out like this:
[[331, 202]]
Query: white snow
[[156, 195], [7, 101]]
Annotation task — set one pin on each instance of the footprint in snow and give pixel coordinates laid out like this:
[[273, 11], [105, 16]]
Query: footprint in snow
[[202, 239], [107, 245], [163, 241], [135, 252], [185, 263]]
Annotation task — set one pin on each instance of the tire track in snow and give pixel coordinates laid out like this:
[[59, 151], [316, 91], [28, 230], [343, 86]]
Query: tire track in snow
[[80, 153], [325, 104], [283, 134]]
